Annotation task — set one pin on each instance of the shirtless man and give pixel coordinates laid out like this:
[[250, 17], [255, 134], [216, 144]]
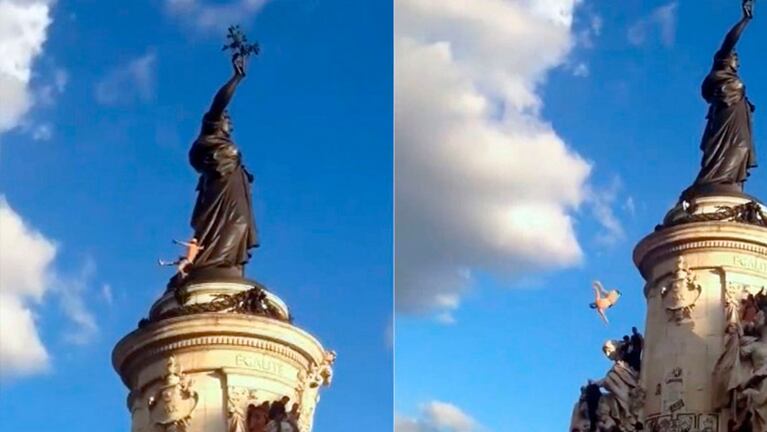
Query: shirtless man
[[192, 249], [603, 300]]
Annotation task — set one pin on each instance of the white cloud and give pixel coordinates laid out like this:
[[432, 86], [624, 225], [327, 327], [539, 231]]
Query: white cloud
[[42, 132], [23, 31], [106, 294], [661, 22], [581, 70], [25, 260], [483, 182], [438, 416], [601, 202], [47, 93], [207, 16], [133, 81], [629, 206], [27, 277], [71, 291]]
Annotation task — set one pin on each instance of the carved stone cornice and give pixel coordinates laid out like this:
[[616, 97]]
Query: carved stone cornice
[[208, 331], [694, 236]]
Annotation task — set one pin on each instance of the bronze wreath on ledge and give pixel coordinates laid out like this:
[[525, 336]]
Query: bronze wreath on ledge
[[251, 302], [749, 213]]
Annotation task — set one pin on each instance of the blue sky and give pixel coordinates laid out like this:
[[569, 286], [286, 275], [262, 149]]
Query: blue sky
[[97, 166], [506, 347]]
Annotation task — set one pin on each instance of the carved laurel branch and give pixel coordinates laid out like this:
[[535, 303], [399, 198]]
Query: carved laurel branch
[[251, 302], [747, 213]]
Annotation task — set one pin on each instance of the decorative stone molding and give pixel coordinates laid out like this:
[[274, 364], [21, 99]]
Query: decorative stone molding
[[172, 404], [704, 237], [238, 363], [681, 293], [322, 374]]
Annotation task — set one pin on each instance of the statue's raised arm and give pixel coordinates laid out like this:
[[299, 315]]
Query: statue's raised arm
[[727, 142], [733, 36], [241, 50], [226, 92]]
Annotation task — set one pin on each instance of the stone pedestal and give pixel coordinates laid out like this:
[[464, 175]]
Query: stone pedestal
[[705, 258], [209, 352]]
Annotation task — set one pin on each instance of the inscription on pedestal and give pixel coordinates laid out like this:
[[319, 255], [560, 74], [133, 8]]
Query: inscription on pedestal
[[750, 263], [261, 363]]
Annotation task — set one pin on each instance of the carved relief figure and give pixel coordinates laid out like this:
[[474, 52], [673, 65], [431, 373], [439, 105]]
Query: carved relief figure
[[615, 402], [754, 390], [729, 372], [741, 370]]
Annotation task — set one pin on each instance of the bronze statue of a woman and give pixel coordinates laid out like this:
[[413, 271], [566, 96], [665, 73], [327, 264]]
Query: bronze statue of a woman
[[727, 144], [222, 218]]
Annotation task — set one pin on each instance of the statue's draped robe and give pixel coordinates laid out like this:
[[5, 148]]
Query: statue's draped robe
[[223, 217], [727, 144]]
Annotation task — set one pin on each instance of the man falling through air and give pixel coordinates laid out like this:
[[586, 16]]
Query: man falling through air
[[603, 300]]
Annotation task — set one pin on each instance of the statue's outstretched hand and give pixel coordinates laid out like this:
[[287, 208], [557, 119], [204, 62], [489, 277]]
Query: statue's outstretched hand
[[748, 9]]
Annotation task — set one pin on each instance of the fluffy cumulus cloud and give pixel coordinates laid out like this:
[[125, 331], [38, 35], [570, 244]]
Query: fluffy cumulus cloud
[[27, 275], [27, 280], [483, 181], [130, 82], [207, 16], [660, 24], [25, 261], [23, 31], [438, 416]]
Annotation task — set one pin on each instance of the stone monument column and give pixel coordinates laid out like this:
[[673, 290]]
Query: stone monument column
[[700, 266], [220, 359], [703, 365], [219, 352]]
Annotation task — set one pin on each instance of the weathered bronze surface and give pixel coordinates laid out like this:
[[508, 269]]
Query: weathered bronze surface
[[727, 143], [222, 219]]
